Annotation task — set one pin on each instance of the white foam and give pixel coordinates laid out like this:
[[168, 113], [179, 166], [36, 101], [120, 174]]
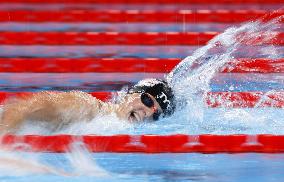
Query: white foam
[[150, 82], [191, 81], [20, 164]]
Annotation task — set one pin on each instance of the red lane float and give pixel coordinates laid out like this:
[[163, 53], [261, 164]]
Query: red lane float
[[108, 38], [117, 38], [147, 1], [127, 65], [82, 65], [181, 16], [213, 99], [147, 143], [245, 99], [245, 65]]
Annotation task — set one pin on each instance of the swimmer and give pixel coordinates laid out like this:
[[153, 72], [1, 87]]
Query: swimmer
[[148, 100]]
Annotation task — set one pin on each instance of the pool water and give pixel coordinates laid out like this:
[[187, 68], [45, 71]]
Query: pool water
[[112, 82], [196, 119], [169, 167]]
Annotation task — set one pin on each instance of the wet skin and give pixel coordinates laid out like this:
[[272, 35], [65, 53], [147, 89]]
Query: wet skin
[[67, 107], [133, 110]]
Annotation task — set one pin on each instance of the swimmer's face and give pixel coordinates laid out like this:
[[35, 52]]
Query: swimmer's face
[[134, 110]]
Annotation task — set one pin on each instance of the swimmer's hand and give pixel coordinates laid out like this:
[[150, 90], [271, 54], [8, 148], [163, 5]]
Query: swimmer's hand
[[58, 108]]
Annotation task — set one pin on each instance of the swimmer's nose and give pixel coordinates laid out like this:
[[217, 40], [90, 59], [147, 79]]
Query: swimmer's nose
[[145, 114]]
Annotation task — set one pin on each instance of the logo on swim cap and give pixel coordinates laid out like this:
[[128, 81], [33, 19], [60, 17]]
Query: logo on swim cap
[[160, 90], [165, 100]]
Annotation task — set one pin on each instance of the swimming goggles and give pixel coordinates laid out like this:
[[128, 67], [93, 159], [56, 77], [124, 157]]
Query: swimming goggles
[[148, 101]]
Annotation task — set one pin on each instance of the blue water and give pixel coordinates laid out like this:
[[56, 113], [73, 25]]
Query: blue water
[[152, 167], [114, 51], [111, 82], [171, 168], [120, 27]]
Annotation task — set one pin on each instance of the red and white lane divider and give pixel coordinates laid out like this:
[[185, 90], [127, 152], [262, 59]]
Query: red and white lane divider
[[147, 1], [116, 38], [181, 16], [148, 143], [213, 99], [127, 65]]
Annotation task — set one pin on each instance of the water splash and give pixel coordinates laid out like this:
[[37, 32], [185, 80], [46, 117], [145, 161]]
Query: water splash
[[191, 80], [13, 163], [83, 163], [194, 73]]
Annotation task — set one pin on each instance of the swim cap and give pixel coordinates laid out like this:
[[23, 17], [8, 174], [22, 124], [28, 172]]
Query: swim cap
[[160, 90]]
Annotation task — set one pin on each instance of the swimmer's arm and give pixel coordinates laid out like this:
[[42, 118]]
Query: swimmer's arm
[[51, 107]]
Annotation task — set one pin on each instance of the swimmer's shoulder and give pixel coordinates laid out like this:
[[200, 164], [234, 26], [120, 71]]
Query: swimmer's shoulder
[[74, 94], [86, 97], [59, 100], [82, 95], [75, 98]]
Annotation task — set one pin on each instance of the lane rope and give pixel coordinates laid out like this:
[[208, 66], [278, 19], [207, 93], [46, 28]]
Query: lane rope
[[148, 143], [127, 65], [148, 1], [117, 38], [180, 16]]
